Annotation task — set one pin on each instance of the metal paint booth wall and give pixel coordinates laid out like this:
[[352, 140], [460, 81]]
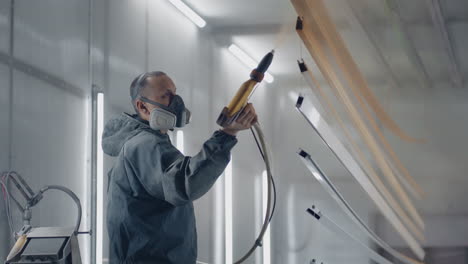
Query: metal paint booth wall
[[63, 49], [60, 56], [44, 76]]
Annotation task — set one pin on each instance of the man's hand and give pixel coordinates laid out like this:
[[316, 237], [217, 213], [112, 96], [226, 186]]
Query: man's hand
[[246, 119]]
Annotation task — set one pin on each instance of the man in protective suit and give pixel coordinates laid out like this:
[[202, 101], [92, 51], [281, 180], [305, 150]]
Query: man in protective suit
[[152, 186]]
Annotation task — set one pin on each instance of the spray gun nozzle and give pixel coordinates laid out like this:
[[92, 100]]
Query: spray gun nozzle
[[258, 73]]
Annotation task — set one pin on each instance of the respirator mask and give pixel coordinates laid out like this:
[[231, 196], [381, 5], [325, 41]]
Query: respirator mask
[[168, 117]]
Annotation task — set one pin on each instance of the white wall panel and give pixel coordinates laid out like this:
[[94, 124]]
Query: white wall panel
[[4, 115], [171, 44], [459, 39], [4, 26], [4, 139], [53, 35], [126, 42], [198, 97], [49, 147], [99, 42]]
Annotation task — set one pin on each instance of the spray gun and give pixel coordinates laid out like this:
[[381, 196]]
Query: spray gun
[[230, 114], [232, 111]]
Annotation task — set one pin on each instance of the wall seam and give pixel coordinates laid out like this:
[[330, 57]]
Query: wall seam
[[146, 36], [10, 107]]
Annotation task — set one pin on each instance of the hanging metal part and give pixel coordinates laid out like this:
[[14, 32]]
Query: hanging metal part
[[408, 182], [312, 39], [328, 49], [317, 50], [338, 197], [439, 23], [324, 131], [335, 228]]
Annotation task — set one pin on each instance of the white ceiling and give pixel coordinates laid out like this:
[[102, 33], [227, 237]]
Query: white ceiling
[[434, 109]]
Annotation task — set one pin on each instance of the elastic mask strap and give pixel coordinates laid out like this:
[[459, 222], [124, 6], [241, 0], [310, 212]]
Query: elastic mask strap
[[146, 100]]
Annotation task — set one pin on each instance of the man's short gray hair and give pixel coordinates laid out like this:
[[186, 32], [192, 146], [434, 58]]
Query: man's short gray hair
[[139, 83]]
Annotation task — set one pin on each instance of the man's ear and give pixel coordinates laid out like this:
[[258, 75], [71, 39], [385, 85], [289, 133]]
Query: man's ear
[[142, 107]]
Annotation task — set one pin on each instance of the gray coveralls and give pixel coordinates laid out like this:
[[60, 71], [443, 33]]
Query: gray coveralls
[[150, 216]]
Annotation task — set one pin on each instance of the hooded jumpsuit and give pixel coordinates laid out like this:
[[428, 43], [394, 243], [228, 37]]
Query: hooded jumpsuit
[[150, 216]]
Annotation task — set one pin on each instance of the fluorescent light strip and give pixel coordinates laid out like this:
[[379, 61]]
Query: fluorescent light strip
[[248, 61], [306, 108], [266, 237], [86, 183], [218, 214], [180, 141], [228, 212], [189, 13], [258, 182], [100, 178]]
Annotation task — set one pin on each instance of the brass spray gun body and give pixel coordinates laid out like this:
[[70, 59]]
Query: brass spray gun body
[[234, 108]]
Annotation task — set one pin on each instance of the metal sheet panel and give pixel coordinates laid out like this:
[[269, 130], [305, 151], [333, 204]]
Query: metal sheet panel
[[4, 115], [53, 35], [175, 52], [454, 9], [198, 96], [126, 49], [322, 128], [4, 121], [459, 40], [4, 25], [49, 146]]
